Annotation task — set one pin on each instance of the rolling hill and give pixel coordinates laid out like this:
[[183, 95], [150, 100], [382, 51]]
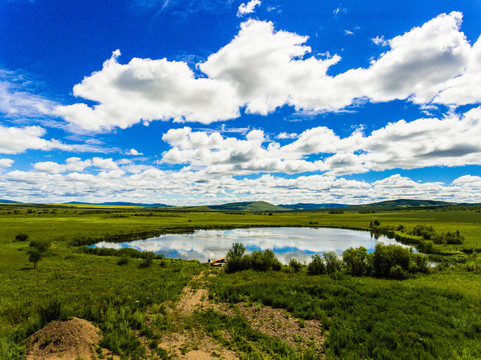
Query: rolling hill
[[247, 206]]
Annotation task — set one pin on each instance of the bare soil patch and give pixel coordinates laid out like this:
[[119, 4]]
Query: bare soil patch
[[279, 323], [64, 339]]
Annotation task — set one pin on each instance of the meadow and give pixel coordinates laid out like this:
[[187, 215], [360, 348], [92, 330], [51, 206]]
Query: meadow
[[434, 315]]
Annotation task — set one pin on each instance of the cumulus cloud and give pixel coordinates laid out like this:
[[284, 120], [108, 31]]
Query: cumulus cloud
[[465, 88], [262, 69], [191, 187], [72, 164], [450, 141], [216, 154], [285, 135], [133, 152], [15, 140], [6, 162], [146, 90], [248, 8]]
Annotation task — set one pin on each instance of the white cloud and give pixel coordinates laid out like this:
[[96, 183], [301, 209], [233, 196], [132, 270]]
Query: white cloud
[[77, 165], [379, 40], [49, 167], [248, 8], [262, 69], [191, 187], [133, 152], [6, 162], [284, 135], [108, 164], [450, 141], [14, 140], [464, 89], [146, 90], [216, 154], [17, 99], [348, 32]]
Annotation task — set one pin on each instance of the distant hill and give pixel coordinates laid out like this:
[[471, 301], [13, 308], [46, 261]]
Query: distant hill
[[247, 206], [311, 206], [401, 204], [4, 201], [116, 204]]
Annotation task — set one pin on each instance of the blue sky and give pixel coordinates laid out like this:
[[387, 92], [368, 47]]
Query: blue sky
[[189, 102]]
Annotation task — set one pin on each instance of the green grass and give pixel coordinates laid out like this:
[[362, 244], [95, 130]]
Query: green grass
[[369, 318], [115, 296]]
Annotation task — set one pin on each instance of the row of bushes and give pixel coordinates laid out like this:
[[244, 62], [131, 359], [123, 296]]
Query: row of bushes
[[258, 260], [387, 261]]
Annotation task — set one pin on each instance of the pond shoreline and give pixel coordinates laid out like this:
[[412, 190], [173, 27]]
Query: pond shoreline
[[300, 242]]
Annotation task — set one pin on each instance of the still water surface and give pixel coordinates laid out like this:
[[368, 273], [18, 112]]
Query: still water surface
[[285, 242]]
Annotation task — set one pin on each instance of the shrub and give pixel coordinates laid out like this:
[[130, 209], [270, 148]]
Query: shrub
[[317, 266], [264, 261], [124, 260], [295, 265], [332, 261], [21, 237], [148, 256], [388, 256], [34, 257], [237, 250], [357, 261], [40, 245], [11, 351], [52, 311]]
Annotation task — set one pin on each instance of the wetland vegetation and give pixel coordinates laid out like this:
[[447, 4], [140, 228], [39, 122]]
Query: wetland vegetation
[[364, 312]]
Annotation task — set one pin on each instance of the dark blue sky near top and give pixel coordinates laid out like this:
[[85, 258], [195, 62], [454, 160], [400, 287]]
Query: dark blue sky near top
[[47, 47]]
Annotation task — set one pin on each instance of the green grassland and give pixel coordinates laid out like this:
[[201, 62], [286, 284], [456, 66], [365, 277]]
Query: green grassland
[[437, 314]]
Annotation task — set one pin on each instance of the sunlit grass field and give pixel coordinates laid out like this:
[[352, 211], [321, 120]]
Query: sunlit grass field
[[92, 286]]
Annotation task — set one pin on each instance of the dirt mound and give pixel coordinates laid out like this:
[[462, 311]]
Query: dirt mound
[[64, 339]]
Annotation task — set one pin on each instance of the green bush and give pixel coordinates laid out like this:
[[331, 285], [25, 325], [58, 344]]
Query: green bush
[[40, 245], [332, 261], [50, 312], [264, 261], [124, 260], [388, 256], [295, 265], [316, 266], [11, 351], [357, 261], [21, 237]]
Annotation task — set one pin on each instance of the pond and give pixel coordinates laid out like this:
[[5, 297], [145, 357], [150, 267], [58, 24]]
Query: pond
[[285, 242]]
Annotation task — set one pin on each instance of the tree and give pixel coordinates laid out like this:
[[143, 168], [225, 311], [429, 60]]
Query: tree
[[236, 260], [237, 250], [34, 257], [357, 261], [39, 247], [295, 265], [332, 261], [317, 266]]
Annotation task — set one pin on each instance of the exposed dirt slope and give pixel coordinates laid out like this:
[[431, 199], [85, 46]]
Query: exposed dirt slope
[[64, 339]]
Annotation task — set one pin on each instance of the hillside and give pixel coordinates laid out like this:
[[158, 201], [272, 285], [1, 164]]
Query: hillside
[[311, 206], [116, 204], [247, 206], [401, 204], [4, 201]]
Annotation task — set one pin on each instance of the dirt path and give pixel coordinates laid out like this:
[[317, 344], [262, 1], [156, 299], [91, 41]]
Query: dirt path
[[193, 343], [193, 298]]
